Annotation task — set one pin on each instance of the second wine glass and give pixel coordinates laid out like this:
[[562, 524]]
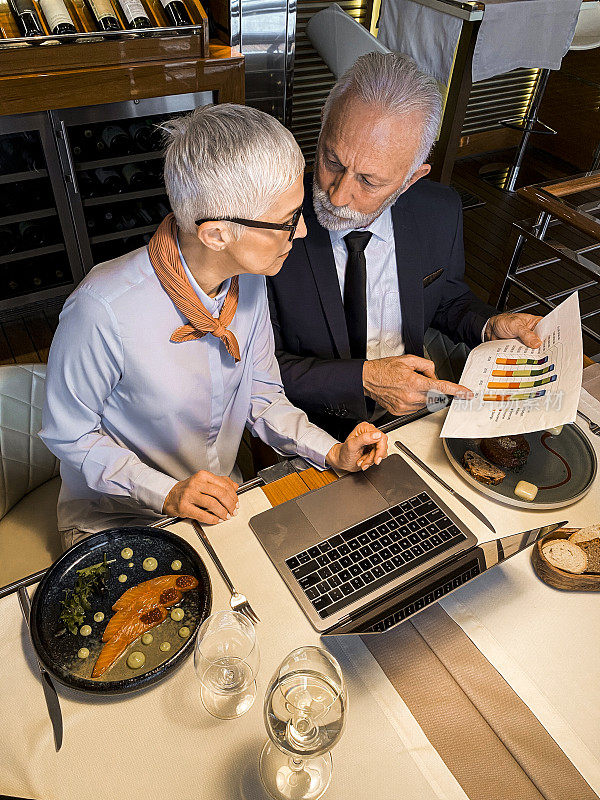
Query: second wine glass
[[226, 660], [305, 712]]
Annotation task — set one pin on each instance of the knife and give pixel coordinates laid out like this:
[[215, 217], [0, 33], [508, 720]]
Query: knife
[[47, 685], [473, 509]]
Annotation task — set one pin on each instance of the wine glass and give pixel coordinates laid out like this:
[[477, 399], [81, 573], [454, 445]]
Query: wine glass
[[226, 660], [305, 713]]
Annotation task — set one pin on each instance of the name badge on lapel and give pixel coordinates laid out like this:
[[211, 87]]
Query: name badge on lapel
[[429, 279]]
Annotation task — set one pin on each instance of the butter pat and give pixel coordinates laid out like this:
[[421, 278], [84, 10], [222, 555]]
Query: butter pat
[[554, 432], [526, 490]]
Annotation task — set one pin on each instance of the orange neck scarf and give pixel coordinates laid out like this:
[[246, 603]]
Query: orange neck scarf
[[164, 257]]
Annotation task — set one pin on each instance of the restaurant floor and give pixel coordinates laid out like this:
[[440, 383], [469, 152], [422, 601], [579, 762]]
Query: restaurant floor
[[27, 338]]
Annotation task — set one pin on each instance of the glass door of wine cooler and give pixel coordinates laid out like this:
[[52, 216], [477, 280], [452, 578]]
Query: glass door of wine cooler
[[112, 156], [39, 258]]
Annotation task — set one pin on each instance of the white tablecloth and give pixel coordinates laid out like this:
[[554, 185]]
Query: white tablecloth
[[544, 642]]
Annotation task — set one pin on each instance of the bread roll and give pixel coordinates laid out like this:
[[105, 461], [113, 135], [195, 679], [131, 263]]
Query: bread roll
[[592, 551], [585, 534], [561, 553]]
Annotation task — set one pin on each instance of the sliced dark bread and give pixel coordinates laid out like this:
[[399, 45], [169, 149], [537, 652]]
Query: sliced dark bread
[[592, 550], [482, 470]]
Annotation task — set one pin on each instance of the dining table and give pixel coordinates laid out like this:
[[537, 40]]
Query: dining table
[[491, 693]]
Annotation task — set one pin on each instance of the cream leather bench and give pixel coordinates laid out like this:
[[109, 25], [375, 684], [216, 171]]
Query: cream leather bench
[[29, 482]]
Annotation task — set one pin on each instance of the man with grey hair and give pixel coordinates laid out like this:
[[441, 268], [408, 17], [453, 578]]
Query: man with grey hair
[[163, 356], [382, 260]]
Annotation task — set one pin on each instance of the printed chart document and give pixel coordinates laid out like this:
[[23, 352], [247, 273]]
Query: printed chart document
[[520, 390]]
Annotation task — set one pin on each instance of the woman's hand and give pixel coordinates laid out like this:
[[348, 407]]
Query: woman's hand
[[203, 496], [364, 447]]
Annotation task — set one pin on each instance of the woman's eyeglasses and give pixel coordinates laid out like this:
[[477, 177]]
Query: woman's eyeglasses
[[253, 223]]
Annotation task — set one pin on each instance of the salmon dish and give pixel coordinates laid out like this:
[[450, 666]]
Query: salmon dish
[[137, 611]]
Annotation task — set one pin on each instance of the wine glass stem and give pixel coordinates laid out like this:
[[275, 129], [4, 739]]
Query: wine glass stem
[[296, 764]]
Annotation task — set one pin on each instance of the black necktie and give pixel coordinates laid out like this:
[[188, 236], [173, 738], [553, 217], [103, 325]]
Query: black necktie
[[355, 292]]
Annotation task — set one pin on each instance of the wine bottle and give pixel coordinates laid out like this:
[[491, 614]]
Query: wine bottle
[[144, 216], [33, 234], [116, 140], [110, 180], [104, 15], [126, 221], [57, 17], [141, 135], [135, 14], [88, 185], [176, 12], [26, 17], [160, 211], [135, 177], [8, 240]]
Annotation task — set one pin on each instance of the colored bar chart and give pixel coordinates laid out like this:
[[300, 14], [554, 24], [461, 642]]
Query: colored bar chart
[[502, 398], [534, 361], [521, 384], [521, 373]]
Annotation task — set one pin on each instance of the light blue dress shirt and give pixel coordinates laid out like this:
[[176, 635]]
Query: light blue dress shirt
[[130, 413]]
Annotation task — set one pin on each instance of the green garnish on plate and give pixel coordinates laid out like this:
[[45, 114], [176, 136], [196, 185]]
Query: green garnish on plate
[[90, 580]]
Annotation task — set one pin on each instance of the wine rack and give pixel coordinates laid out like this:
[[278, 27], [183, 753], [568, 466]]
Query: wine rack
[[79, 187], [38, 250]]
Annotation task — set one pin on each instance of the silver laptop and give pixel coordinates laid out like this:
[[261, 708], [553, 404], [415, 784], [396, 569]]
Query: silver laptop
[[363, 554]]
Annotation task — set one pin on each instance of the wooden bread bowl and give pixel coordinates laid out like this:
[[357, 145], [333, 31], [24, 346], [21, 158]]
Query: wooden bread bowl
[[558, 578]]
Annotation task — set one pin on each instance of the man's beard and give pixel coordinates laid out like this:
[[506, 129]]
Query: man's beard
[[342, 218]]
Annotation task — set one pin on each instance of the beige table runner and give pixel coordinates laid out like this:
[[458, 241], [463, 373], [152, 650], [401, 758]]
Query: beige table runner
[[486, 735]]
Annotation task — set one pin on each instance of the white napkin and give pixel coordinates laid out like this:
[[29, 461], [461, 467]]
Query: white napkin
[[589, 406], [520, 33]]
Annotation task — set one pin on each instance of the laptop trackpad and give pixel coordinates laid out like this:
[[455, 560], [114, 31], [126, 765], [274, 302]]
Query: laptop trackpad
[[341, 504]]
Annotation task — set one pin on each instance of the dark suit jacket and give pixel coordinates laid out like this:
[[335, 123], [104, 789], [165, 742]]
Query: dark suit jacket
[[311, 339]]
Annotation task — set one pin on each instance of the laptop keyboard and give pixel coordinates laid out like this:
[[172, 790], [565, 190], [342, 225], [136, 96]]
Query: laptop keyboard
[[434, 592], [348, 566]]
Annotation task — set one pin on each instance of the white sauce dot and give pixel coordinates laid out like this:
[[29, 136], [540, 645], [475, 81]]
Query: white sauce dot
[[136, 660], [165, 647], [184, 632], [98, 616], [85, 630], [122, 578], [150, 564], [176, 565], [177, 614], [83, 652], [147, 638], [126, 553]]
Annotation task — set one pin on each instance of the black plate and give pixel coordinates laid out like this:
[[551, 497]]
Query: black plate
[[59, 653]]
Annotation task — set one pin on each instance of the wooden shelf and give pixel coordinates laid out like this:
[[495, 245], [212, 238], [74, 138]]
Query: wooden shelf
[[124, 234], [117, 198], [115, 67], [26, 215], [114, 161], [35, 253], [17, 177]]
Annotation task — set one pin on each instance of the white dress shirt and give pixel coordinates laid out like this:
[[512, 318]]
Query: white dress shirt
[[384, 317], [130, 413]]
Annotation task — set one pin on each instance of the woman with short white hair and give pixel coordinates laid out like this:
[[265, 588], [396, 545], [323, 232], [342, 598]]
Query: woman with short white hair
[[164, 355]]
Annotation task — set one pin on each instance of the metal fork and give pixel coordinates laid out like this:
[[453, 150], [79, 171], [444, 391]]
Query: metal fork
[[238, 602], [594, 427]]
